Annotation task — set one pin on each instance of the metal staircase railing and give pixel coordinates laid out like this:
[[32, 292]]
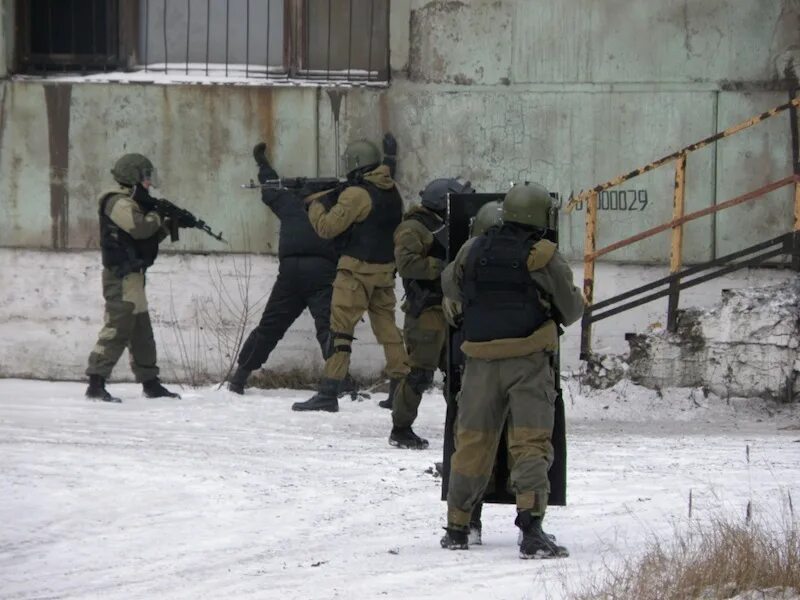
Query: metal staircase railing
[[787, 244]]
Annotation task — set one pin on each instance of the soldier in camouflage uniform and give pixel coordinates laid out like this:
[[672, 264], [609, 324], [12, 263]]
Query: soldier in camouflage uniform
[[130, 232], [420, 250], [515, 289], [361, 219]]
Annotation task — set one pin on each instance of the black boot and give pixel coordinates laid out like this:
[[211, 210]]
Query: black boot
[[97, 390], [475, 525], [325, 398], [238, 380], [389, 402], [535, 542], [456, 538], [154, 389], [404, 437]]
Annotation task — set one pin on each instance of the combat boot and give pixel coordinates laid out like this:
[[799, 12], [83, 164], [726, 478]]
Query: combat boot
[[325, 398], [97, 390], [456, 538], [535, 542], [404, 437], [389, 402], [154, 389], [475, 525], [238, 380]]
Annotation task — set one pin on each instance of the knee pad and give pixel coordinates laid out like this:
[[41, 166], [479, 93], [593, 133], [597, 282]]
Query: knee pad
[[341, 342]]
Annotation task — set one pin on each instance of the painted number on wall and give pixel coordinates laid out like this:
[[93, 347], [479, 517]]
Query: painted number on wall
[[621, 200]]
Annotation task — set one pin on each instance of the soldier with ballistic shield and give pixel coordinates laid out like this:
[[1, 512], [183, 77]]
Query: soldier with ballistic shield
[[420, 251], [515, 290], [131, 230]]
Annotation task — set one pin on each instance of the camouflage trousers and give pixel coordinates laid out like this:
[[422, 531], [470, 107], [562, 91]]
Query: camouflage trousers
[[353, 295], [126, 325], [425, 338], [521, 390]]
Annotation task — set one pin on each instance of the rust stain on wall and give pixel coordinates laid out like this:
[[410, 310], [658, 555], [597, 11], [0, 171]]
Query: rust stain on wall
[[262, 109], [57, 97], [3, 88], [383, 111]]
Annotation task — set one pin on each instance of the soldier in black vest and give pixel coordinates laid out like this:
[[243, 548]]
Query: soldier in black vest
[[420, 250], [361, 219], [130, 232], [306, 272], [515, 290]]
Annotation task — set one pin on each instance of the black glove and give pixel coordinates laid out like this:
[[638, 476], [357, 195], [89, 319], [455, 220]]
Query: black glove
[[142, 196], [389, 145], [260, 154]]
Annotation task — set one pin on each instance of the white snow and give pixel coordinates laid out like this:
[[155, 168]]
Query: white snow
[[217, 496]]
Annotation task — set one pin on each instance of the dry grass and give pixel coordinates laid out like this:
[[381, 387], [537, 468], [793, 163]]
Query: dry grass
[[718, 560]]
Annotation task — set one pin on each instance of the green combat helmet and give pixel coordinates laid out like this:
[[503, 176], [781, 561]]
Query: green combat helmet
[[132, 169], [489, 215], [528, 204], [359, 154]]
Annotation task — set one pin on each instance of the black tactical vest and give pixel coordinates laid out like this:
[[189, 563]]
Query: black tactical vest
[[501, 299], [431, 289], [372, 240], [120, 251]]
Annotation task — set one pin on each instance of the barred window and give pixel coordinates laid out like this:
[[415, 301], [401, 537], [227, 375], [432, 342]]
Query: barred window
[[325, 40], [67, 35]]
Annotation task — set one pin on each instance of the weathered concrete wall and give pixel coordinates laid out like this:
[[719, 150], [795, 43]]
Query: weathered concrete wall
[[51, 310], [491, 42], [5, 38], [58, 142], [747, 346]]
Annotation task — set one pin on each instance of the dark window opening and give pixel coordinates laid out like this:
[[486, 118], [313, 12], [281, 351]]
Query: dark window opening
[[68, 35]]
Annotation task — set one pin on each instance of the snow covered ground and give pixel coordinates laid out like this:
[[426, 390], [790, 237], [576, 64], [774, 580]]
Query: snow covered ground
[[216, 496]]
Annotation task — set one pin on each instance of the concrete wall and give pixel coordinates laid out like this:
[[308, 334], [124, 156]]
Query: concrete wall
[[59, 141], [569, 93], [495, 91], [5, 37]]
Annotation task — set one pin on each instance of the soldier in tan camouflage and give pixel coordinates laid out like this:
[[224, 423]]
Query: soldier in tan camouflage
[[361, 220], [130, 232], [515, 289], [420, 250]]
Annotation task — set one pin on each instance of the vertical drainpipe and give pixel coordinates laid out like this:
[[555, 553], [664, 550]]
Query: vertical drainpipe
[[714, 170], [336, 105]]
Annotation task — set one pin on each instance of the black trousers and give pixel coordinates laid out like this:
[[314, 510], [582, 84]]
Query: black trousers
[[303, 282]]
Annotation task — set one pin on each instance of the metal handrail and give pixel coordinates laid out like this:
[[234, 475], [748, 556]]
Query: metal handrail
[[679, 218]]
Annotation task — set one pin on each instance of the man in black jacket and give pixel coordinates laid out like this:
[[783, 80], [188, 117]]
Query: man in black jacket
[[305, 275]]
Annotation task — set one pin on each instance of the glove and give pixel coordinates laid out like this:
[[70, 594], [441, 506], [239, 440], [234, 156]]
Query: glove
[[260, 154], [389, 145], [452, 312]]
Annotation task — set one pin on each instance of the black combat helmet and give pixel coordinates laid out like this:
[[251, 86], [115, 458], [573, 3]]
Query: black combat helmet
[[434, 196]]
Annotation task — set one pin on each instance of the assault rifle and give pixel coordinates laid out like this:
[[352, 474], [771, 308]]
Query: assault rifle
[[305, 186], [180, 217]]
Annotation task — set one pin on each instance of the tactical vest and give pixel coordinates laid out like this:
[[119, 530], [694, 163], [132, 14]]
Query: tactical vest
[[431, 289], [501, 299], [120, 251], [372, 239]]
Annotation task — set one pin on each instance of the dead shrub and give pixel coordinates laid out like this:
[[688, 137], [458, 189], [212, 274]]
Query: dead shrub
[[721, 559]]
